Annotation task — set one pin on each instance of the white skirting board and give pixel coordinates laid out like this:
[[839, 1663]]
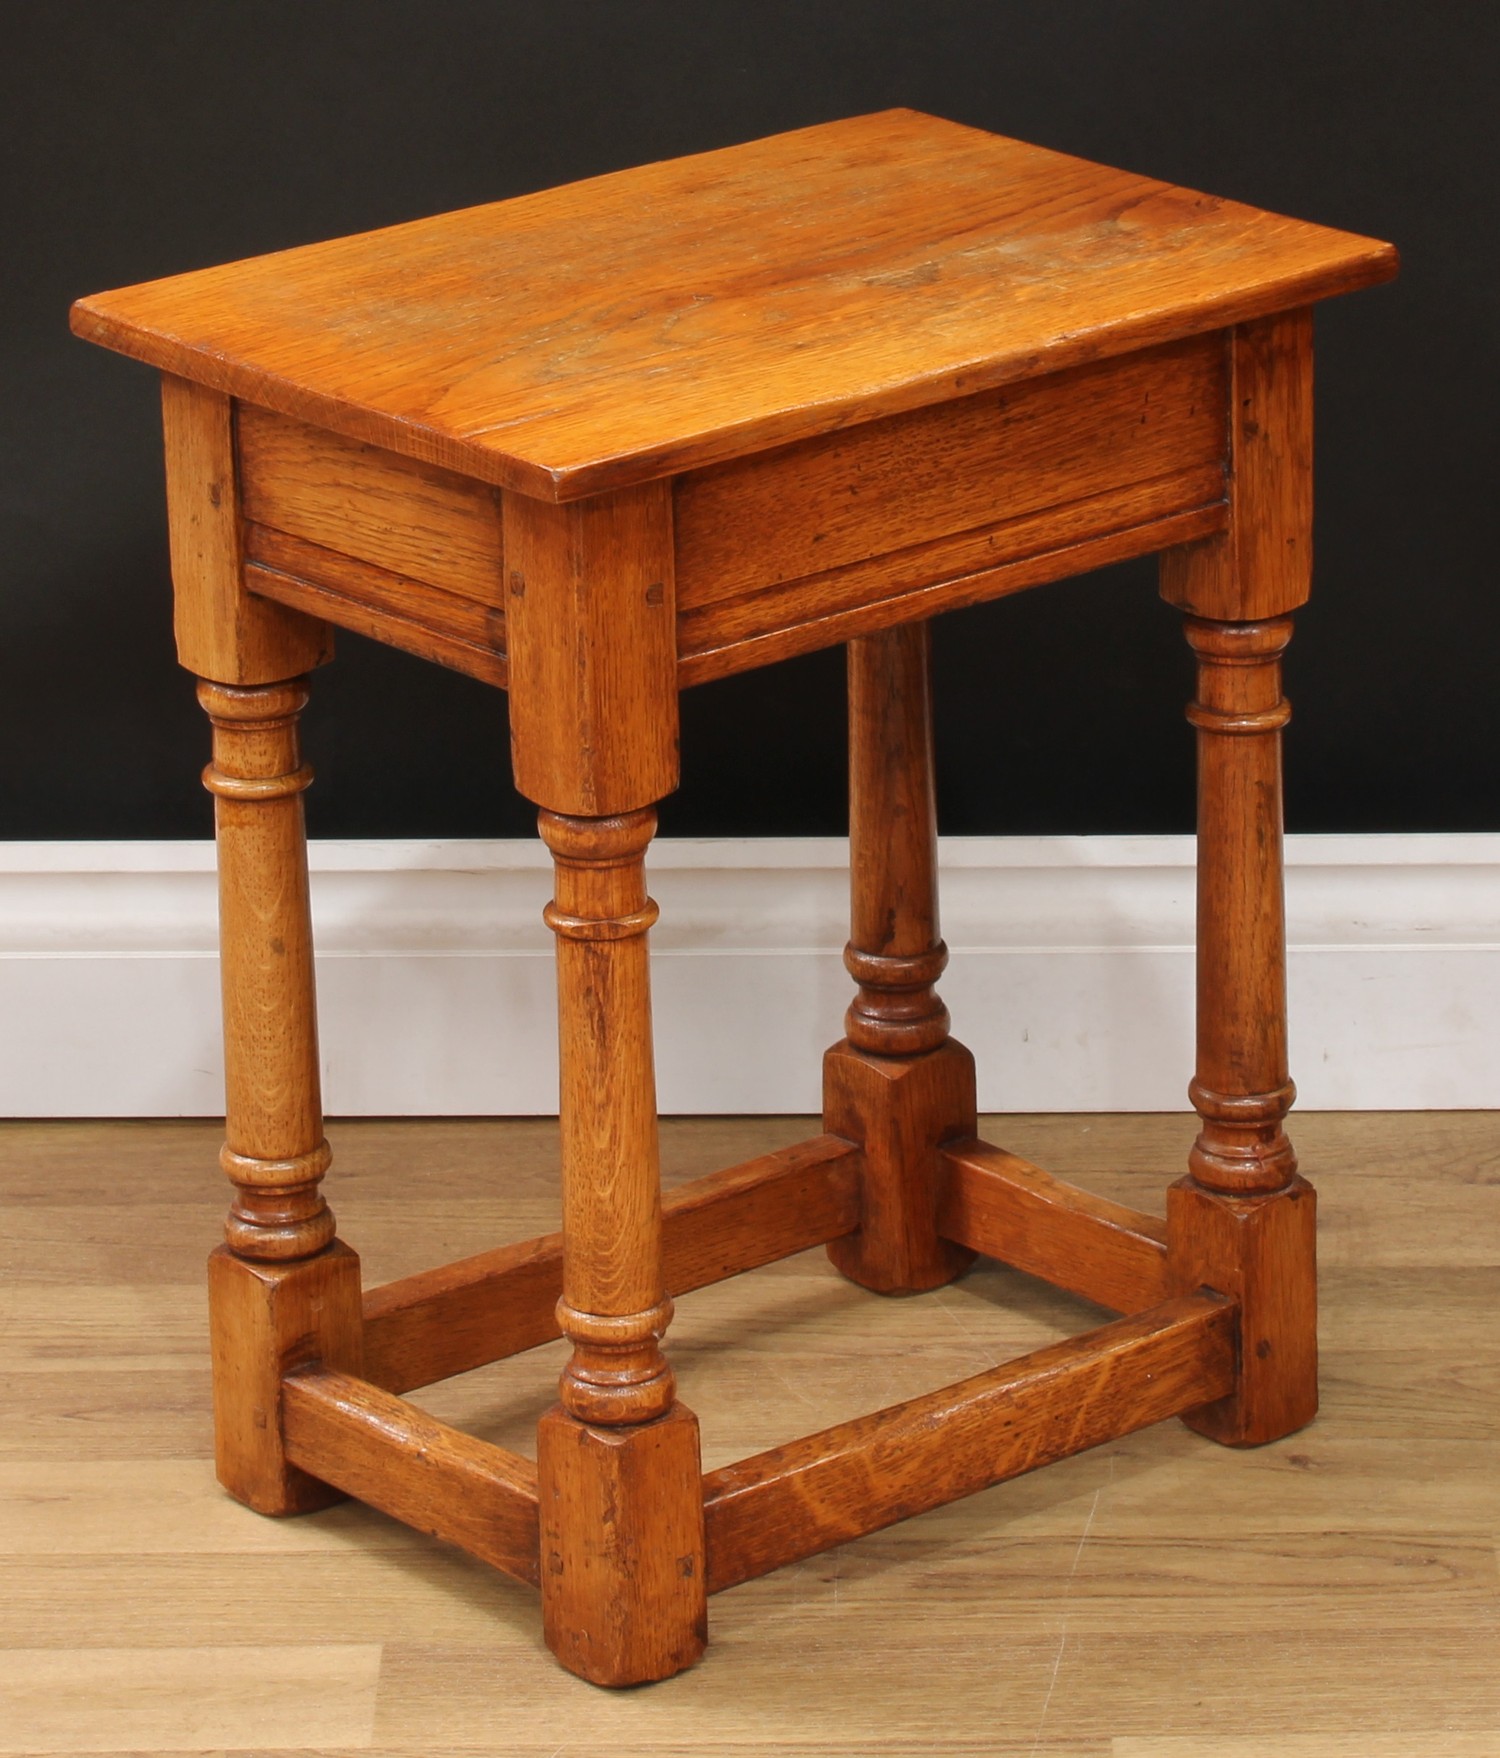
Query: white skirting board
[[1071, 974]]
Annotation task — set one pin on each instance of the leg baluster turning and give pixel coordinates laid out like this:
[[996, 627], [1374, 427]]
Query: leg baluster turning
[[1242, 1221], [624, 1595], [897, 1083], [283, 1290]]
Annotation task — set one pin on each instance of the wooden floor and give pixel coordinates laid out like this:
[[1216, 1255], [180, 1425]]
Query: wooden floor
[[1335, 1594]]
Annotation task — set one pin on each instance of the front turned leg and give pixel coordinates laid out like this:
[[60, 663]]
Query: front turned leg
[[1242, 1221], [283, 1290], [624, 1596], [897, 1083]]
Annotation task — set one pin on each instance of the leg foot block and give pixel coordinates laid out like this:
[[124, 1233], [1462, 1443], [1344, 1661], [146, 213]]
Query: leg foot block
[[899, 1108], [1260, 1251], [624, 1591], [264, 1321]]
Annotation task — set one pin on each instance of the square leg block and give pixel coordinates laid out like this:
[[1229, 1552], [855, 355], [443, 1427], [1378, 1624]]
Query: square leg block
[[624, 1587], [1261, 1252], [899, 1108], [266, 1320]]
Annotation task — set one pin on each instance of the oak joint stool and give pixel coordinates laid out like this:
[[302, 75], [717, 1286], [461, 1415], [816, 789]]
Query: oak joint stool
[[601, 443]]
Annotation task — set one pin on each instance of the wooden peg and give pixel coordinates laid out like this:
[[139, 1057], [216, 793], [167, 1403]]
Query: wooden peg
[[898, 1083]]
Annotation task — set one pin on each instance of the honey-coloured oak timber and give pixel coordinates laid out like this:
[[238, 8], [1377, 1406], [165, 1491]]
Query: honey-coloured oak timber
[[1261, 566], [897, 1084], [266, 1320], [406, 1463], [961, 467], [598, 444], [403, 516], [372, 541], [895, 953], [592, 652], [1243, 1221], [434, 624], [442, 1322], [828, 1488], [624, 1582], [223, 631], [619, 330], [274, 1152], [614, 1306], [972, 568], [807, 534], [1242, 1089], [1261, 1251], [995, 1203], [283, 1292]]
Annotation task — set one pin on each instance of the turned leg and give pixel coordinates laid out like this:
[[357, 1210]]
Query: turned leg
[[1242, 1221], [897, 1083], [282, 1290], [620, 1483]]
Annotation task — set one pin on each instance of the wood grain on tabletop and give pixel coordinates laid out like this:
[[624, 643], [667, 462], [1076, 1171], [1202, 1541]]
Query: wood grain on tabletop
[[1138, 1601], [673, 315]]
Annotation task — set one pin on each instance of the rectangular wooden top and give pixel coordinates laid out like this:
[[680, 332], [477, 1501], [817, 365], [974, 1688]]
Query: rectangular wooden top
[[634, 325]]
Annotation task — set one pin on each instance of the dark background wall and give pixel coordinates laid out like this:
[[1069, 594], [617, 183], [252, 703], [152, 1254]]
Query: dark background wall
[[146, 138]]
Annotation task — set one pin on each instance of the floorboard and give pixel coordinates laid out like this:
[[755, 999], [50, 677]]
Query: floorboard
[[1333, 1596]]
